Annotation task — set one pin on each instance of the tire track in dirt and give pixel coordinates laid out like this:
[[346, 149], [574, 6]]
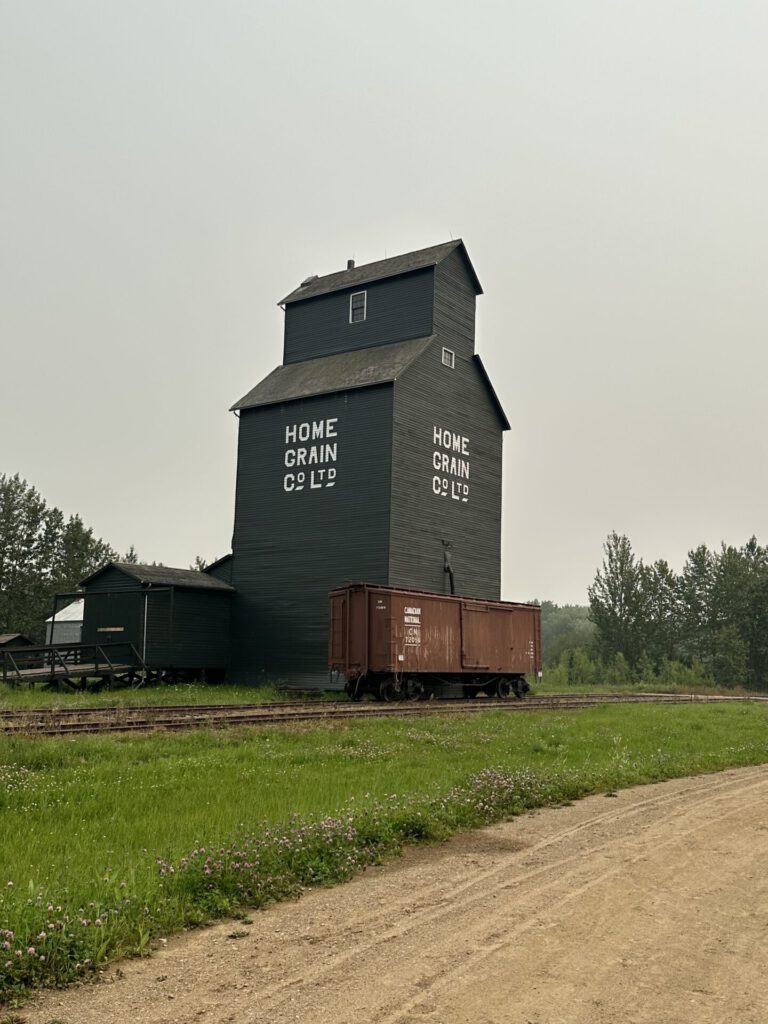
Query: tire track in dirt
[[426, 914], [441, 937], [564, 878], [492, 942]]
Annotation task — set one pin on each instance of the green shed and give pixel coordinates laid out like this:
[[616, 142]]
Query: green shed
[[177, 619]]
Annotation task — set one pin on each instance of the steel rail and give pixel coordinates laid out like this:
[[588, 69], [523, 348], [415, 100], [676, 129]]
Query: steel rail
[[69, 721]]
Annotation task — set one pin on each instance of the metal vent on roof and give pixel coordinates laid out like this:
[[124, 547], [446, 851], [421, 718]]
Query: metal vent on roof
[[308, 280]]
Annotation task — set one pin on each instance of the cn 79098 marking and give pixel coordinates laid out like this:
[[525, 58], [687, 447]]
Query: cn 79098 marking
[[394, 643]]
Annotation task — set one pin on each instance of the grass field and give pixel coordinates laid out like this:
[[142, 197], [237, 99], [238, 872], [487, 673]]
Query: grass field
[[553, 683], [199, 693], [110, 842], [181, 693]]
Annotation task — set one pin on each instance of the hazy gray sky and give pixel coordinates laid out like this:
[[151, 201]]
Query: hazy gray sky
[[169, 170]]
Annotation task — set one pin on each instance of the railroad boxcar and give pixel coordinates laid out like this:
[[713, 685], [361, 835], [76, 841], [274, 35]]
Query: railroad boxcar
[[408, 644]]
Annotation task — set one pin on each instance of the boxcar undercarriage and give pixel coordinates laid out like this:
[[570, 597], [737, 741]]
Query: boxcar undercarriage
[[427, 686]]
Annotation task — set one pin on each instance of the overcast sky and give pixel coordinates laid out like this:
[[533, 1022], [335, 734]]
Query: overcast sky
[[169, 170]]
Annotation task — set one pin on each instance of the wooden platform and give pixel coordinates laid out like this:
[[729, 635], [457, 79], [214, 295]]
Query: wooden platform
[[66, 662], [85, 670]]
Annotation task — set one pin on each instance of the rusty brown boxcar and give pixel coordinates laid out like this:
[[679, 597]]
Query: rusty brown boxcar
[[409, 644]]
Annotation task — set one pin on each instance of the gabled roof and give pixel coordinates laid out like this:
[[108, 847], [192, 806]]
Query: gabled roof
[[72, 613], [381, 269], [360, 368], [218, 562], [162, 575], [14, 639]]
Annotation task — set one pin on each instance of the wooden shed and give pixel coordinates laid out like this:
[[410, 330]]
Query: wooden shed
[[10, 640], [66, 626], [177, 619]]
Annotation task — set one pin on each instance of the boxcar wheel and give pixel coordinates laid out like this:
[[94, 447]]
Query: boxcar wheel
[[388, 691], [414, 688], [503, 689]]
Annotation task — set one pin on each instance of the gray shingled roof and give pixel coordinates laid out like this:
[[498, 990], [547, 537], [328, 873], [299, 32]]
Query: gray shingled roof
[[8, 638], [162, 575], [381, 269], [360, 368], [218, 562]]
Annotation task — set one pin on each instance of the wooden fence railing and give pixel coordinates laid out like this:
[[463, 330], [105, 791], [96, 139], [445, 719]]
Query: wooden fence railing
[[23, 664]]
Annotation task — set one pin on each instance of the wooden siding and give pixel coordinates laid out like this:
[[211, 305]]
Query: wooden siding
[[123, 608], [160, 611], [428, 396], [398, 308], [112, 579], [223, 571], [184, 628], [454, 319], [188, 629], [373, 630], [201, 628], [293, 546]]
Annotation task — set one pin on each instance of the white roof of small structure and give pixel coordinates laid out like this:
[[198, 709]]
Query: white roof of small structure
[[72, 613]]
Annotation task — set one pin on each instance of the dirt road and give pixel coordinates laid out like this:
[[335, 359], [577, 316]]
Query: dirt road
[[650, 907]]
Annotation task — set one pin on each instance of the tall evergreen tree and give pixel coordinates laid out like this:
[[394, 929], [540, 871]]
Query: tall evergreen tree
[[695, 594], [617, 602], [661, 600], [755, 628], [22, 550], [714, 614]]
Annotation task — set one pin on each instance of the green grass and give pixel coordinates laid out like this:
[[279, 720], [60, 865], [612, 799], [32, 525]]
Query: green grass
[[109, 842], [24, 697], [21, 697], [553, 682]]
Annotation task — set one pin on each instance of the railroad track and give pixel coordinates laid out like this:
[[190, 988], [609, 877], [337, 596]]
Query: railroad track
[[69, 721]]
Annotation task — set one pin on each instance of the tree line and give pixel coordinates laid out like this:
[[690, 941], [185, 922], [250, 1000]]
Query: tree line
[[42, 553], [711, 617], [707, 623]]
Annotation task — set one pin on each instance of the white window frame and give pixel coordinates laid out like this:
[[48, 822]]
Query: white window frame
[[354, 295], [449, 358]]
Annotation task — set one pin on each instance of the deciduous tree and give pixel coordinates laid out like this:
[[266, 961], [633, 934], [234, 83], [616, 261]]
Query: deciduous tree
[[41, 554]]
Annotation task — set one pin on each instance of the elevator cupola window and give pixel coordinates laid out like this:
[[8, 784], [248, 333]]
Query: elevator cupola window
[[357, 303]]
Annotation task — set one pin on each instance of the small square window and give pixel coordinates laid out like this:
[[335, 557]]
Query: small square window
[[357, 303], [448, 358]]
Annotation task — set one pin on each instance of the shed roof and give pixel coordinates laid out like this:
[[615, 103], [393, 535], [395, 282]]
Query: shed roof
[[360, 368], [72, 613], [7, 639], [218, 562], [162, 575], [391, 267]]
